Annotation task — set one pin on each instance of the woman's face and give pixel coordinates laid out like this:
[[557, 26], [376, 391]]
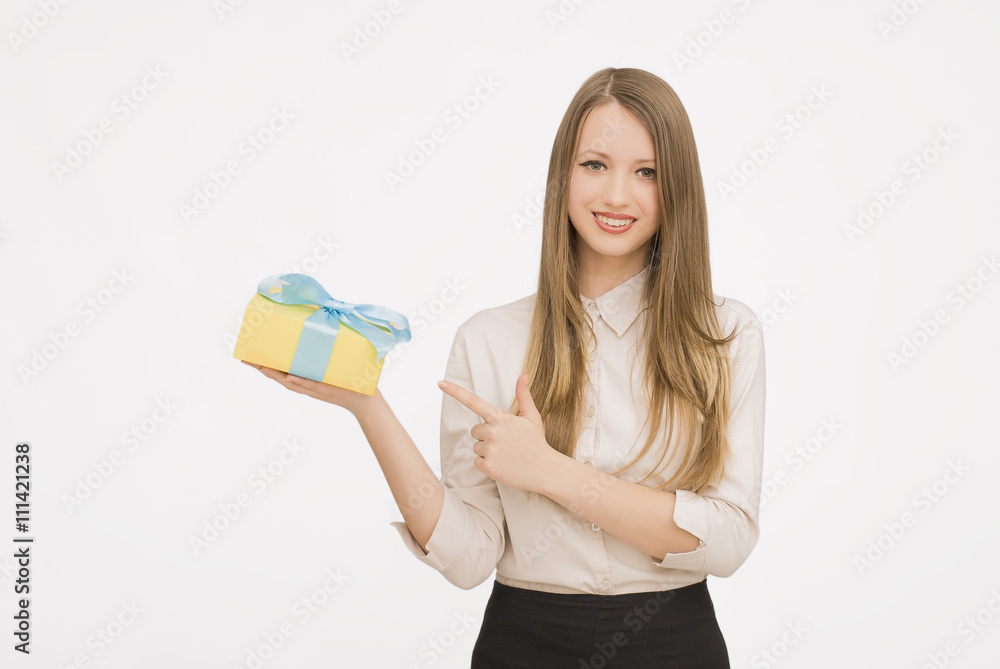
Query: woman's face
[[613, 177]]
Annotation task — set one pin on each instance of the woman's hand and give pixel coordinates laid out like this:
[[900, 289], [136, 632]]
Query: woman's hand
[[349, 399], [512, 449]]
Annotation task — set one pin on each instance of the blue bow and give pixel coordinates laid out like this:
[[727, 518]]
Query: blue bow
[[319, 332]]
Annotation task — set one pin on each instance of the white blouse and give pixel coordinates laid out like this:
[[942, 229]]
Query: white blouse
[[538, 544]]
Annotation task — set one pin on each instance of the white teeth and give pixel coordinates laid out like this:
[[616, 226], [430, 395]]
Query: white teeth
[[614, 222]]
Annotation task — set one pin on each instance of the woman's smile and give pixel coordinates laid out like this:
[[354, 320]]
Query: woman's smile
[[613, 222]]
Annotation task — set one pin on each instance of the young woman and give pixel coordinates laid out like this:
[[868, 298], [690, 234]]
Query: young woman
[[601, 439]]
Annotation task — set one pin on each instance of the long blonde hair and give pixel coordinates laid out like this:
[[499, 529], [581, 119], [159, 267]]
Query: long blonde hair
[[686, 373]]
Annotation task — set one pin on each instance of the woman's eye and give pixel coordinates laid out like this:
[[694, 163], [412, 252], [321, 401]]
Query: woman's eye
[[646, 172]]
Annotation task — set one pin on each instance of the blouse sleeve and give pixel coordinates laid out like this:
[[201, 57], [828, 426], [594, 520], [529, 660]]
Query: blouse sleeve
[[725, 516], [468, 539]]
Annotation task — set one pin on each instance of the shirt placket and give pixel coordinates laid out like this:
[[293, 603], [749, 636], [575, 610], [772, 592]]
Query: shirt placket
[[587, 446], [588, 449]]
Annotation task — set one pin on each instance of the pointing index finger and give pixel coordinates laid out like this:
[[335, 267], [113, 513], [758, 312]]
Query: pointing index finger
[[483, 408]]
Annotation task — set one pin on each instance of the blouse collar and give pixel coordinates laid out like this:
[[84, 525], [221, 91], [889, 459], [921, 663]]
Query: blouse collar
[[620, 305]]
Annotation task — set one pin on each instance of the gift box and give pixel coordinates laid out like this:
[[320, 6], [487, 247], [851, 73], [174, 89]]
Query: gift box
[[294, 325]]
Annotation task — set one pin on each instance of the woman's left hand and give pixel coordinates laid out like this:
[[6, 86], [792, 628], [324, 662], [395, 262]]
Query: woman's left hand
[[511, 449]]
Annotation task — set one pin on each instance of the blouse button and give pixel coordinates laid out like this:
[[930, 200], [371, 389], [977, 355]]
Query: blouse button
[[595, 527], [606, 584]]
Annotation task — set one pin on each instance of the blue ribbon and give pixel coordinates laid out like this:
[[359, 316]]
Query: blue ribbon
[[319, 332]]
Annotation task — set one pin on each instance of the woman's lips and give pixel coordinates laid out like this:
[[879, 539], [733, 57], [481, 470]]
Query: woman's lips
[[612, 228]]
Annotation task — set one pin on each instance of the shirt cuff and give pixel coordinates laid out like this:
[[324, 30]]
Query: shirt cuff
[[689, 515], [448, 542]]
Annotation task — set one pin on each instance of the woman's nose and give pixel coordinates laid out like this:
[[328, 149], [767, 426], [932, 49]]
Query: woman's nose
[[617, 191]]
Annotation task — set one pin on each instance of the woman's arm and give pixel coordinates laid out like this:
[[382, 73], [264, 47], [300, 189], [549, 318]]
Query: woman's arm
[[635, 513], [417, 491], [455, 524]]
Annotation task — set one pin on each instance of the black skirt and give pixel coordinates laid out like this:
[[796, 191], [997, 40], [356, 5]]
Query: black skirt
[[668, 629]]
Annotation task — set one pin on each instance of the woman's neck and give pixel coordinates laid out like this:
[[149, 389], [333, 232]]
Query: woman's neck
[[594, 282]]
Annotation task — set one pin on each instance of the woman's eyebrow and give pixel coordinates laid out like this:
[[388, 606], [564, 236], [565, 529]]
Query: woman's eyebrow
[[607, 157]]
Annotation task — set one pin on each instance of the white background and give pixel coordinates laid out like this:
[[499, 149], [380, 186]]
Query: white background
[[837, 306]]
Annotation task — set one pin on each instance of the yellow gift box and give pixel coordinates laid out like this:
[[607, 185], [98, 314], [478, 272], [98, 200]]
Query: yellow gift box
[[271, 334]]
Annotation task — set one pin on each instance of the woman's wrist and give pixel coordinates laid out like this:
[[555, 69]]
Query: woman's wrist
[[366, 406]]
